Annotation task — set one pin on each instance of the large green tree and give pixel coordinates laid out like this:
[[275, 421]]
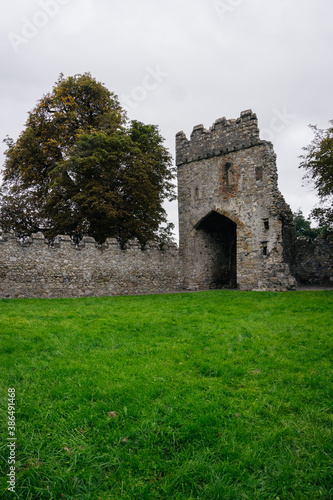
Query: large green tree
[[318, 164], [79, 168]]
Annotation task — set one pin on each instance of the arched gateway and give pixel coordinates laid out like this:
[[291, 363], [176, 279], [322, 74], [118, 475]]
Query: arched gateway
[[219, 250], [235, 228]]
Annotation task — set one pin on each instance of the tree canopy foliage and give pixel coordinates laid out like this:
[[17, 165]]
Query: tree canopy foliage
[[303, 226], [80, 168], [318, 164]]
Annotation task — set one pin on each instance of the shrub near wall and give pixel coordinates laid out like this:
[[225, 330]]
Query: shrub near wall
[[35, 269]]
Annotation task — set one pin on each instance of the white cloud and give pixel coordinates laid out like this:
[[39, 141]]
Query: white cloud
[[262, 55]]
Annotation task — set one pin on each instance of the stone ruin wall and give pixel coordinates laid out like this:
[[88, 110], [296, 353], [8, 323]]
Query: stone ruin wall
[[314, 261], [35, 269], [228, 195]]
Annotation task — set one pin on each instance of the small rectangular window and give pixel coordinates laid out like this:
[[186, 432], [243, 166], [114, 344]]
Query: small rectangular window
[[258, 173], [264, 246], [227, 174], [266, 224]]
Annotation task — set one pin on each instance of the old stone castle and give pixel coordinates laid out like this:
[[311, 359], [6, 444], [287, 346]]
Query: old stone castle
[[235, 231]]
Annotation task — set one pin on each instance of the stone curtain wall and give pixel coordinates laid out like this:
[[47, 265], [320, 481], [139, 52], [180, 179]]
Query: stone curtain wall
[[314, 261], [36, 270]]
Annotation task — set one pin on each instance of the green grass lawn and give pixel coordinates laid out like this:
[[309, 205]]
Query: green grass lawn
[[210, 395]]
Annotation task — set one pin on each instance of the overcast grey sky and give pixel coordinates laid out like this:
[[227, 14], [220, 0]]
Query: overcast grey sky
[[179, 63]]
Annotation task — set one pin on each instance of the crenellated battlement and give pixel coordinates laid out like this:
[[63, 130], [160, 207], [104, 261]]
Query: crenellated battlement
[[65, 241], [223, 137]]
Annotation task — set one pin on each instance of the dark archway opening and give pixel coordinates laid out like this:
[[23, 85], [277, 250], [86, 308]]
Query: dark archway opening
[[219, 250]]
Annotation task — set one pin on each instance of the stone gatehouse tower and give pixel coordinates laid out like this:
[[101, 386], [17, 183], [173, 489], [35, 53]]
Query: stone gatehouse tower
[[235, 228]]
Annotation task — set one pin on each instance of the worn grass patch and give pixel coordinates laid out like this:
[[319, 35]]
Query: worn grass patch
[[212, 395]]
